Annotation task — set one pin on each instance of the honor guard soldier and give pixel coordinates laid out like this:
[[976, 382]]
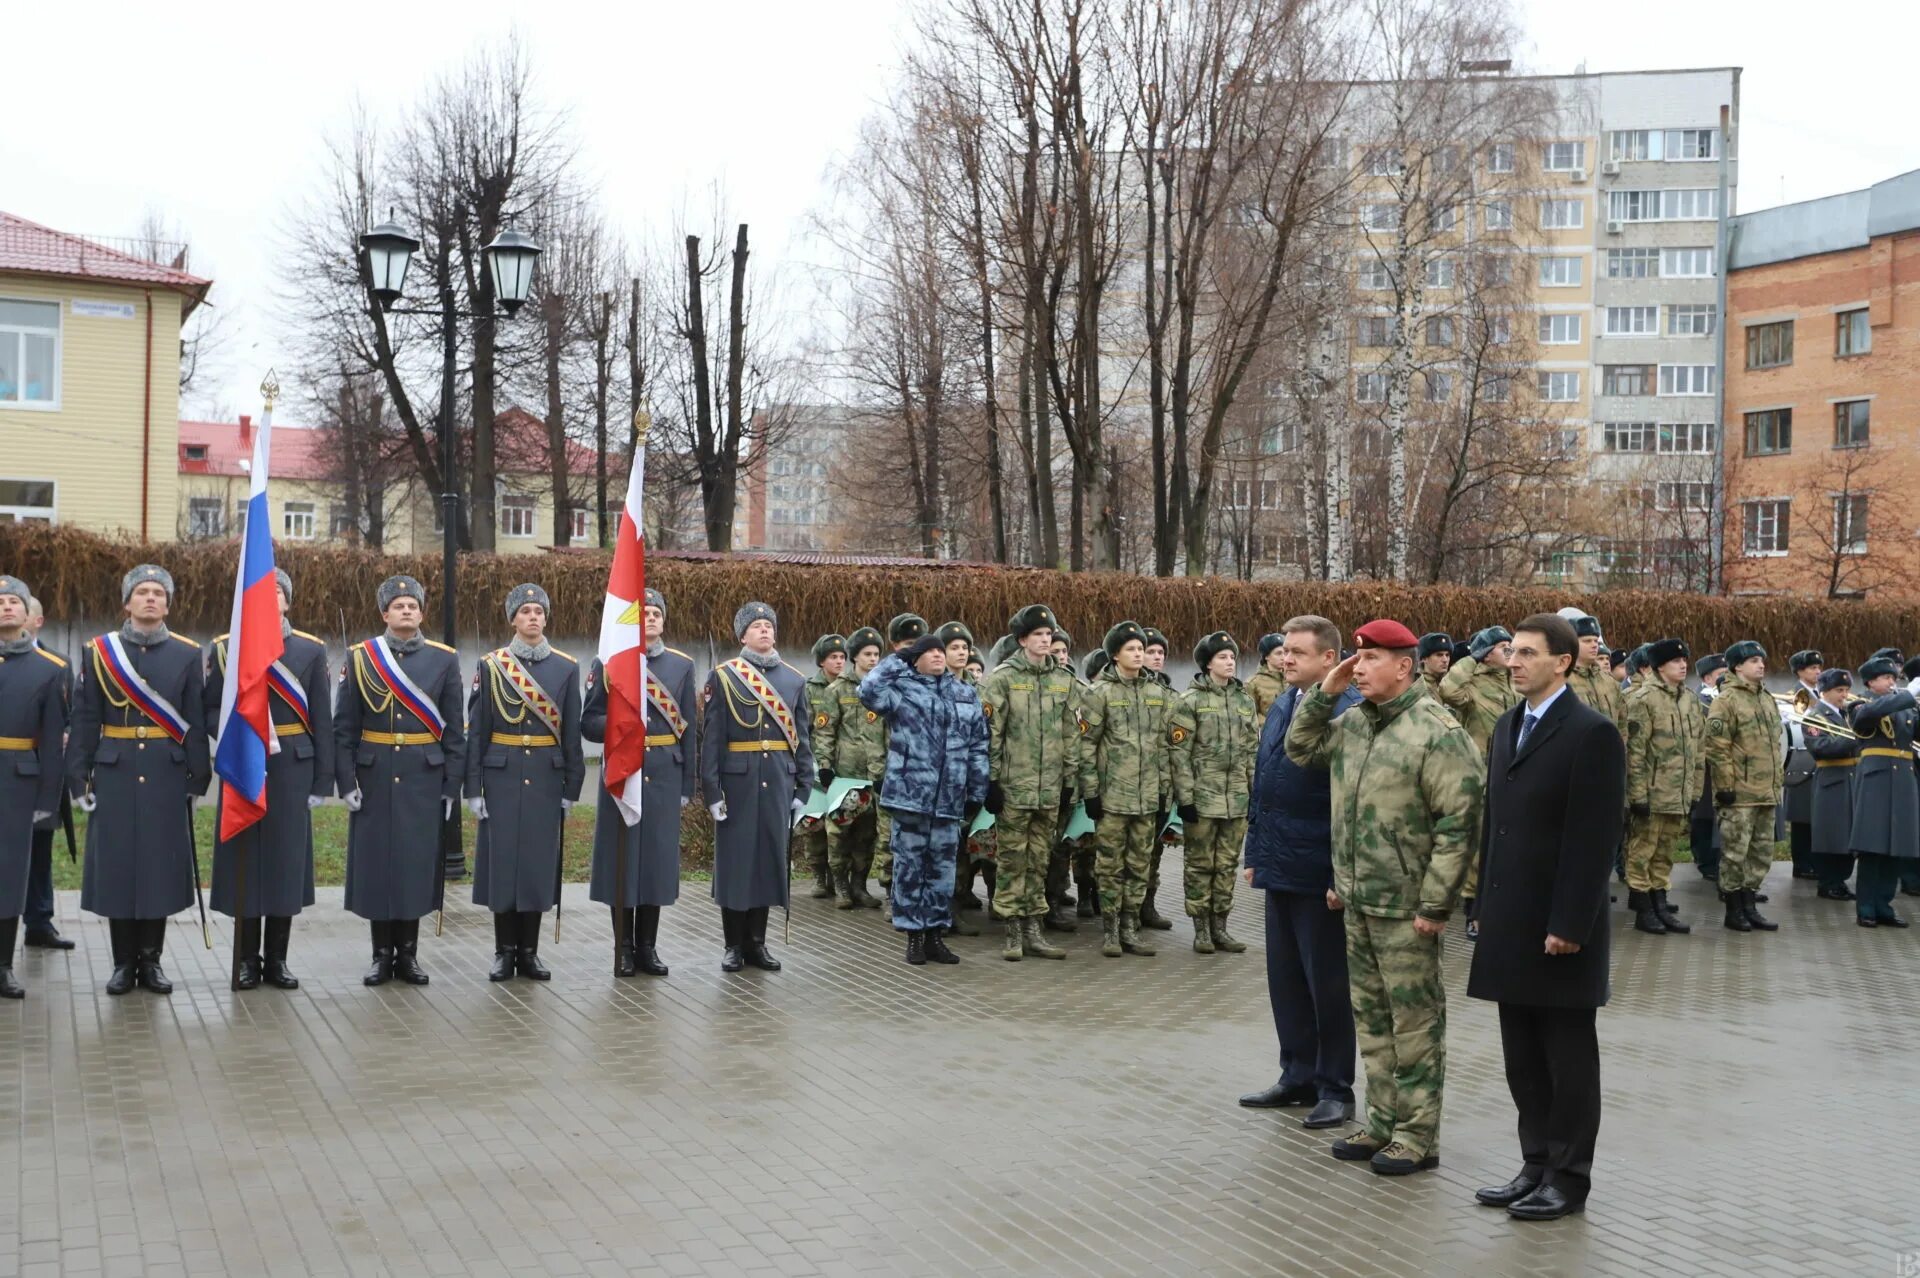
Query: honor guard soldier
[[136, 759], [400, 756], [1886, 806], [846, 737], [830, 662], [1435, 652], [1269, 683], [38, 916], [1797, 788], [265, 875], [647, 875], [33, 727], [1126, 780], [1666, 766], [1213, 736], [756, 771], [1744, 751], [1836, 754], [524, 772], [906, 629]]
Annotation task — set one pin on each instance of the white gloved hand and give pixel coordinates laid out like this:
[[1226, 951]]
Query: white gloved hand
[[354, 800], [38, 817], [86, 802], [446, 808], [799, 806], [478, 806], [314, 801], [684, 801], [566, 804], [719, 810]]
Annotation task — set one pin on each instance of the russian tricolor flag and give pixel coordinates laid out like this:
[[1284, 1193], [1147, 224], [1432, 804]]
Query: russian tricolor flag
[[254, 643]]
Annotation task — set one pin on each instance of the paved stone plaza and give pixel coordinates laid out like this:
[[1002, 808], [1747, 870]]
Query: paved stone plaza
[[852, 1115]]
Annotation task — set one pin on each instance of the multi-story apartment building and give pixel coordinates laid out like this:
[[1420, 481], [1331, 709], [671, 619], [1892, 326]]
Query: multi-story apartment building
[[786, 490]]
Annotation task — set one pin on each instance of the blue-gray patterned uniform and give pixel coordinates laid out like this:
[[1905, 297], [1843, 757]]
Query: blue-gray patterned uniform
[[33, 725], [523, 769], [667, 777], [747, 762]]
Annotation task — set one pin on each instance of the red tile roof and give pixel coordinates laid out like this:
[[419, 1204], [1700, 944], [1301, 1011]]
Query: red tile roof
[[297, 453], [31, 249], [520, 448]]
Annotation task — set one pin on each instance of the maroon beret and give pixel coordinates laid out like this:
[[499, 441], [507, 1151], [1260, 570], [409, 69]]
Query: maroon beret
[[1385, 633]]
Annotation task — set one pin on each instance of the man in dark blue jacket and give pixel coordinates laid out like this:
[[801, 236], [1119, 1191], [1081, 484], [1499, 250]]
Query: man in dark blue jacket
[[1289, 854]]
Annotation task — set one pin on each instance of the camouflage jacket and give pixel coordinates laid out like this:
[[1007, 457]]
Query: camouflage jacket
[[1430, 683], [1407, 787], [1744, 744], [1666, 748], [846, 735], [1596, 687], [1265, 687], [1478, 695], [1123, 744], [1213, 736], [1033, 729]]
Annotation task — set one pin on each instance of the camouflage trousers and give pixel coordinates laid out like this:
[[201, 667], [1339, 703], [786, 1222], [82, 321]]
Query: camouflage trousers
[[1400, 1017], [1650, 850], [923, 871], [1746, 846], [883, 846], [1124, 856], [1025, 839], [1213, 862], [851, 849], [813, 845]]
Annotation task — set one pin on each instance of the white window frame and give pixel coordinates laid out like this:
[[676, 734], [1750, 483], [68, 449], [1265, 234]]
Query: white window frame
[[1563, 215], [22, 513], [1380, 217], [581, 523], [19, 333], [298, 520], [1630, 321], [1844, 320], [1848, 539], [198, 527], [1559, 387], [1554, 267], [1444, 217], [1440, 272], [1438, 386], [1671, 260], [1628, 437], [1677, 495], [1373, 275], [1692, 204], [1386, 161], [516, 505], [1500, 157], [1647, 257], [1370, 388], [1560, 330], [1679, 381], [1498, 215], [1765, 523], [1621, 144], [1692, 319], [1686, 438], [1675, 141], [1563, 157]]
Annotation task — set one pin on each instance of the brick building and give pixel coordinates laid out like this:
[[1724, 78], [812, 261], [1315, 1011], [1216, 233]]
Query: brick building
[[1823, 394]]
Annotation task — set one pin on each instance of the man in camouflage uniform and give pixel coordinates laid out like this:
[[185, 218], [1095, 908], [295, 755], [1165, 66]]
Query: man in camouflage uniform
[[1062, 648], [1031, 702], [830, 662], [1269, 683], [957, 641], [846, 736], [902, 632], [1150, 915], [1213, 735], [1125, 780], [1592, 679], [1435, 652], [1478, 691], [1407, 787], [1666, 765], [1744, 751]]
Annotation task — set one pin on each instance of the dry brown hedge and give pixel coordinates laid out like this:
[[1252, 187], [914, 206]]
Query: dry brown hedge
[[77, 574]]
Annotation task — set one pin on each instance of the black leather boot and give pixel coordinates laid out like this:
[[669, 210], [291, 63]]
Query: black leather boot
[[124, 977], [646, 938], [152, 975], [246, 968], [623, 927], [733, 922], [937, 951], [1149, 915], [406, 952], [755, 946], [1668, 918], [528, 961], [274, 970], [504, 939], [1758, 921], [9, 932], [382, 970], [1736, 919], [1644, 917], [822, 878], [917, 948]]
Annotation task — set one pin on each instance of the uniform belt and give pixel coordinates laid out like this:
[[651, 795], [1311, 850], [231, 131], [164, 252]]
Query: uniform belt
[[1841, 763], [289, 729], [525, 739], [1885, 752], [663, 739], [19, 743], [133, 732], [758, 747], [398, 738]]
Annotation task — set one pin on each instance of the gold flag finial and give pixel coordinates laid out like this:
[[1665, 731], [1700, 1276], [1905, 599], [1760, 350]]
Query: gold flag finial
[[270, 389], [642, 423]]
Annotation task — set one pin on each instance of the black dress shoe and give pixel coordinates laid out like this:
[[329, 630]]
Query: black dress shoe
[[502, 969], [1511, 1192], [382, 970], [1890, 920], [406, 966], [10, 988], [647, 959], [623, 963], [531, 967], [152, 975], [1282, 1097], [761, 957], [1545, 1203], [276, 973], [1830, 893], [123, 979], [1866, 922], [732, 961], [246, 975], [47, 938], [1805, 874], [1328, 1113]]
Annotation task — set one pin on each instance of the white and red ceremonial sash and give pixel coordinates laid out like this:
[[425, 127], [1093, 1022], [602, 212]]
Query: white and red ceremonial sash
[[622, 650], [521, 680], [767, 695], [387, 666], [663, 702], [290, 691], [110, 656]]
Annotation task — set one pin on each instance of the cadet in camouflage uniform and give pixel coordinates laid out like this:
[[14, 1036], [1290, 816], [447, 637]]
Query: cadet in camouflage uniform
[[957, 641], [830, 662], [902, 631], [1592, 679], [1062, 648], [846, 736], [1031, 702], [1407, 787], [1126, 779], [1744, 749], [1268, 684], [1150, 915], [1070, 861], [1478, 691], [1213, 735], [1435, 653], [1666, 766]]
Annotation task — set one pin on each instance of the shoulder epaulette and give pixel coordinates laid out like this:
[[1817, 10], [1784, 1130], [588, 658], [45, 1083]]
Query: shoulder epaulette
[[569, 656], [315, 638], [676, 652], [435, 643], [56, 660], [191, 643], [219, 639]]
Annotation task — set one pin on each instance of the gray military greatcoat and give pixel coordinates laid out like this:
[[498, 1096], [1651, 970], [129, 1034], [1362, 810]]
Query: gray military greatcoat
[[523, 769], [277, 850], [1835, 760], [1886, 803], [748, 761], [33, 726], [393, 841], [140, 850], [652, 848]]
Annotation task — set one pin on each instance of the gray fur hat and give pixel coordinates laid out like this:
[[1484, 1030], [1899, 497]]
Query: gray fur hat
[[750, 613], [142, 573], [394, 587], [654, 599], [15, 587], [522, 595], [285, 582]]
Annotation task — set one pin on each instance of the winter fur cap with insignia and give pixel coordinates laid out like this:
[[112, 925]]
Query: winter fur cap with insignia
[[1156, 640], [864, 637], [1212, 646], [951, 631], [394, 587], [1747, 650], [1661, 651], [1805, 657], [15, 587], [1835, 678], [1095, 663], [143, 573], [906, 627], [1060, 636], [522, 595], [750, 613], [1121, 635], [1708, 664], [1912, 669], [1434, 642], [1268, 643], [826, 645], [1585, 626], [1891, 654], [285, 582], [1031, 618], [1637, 659], [654, 599], [1875, 667]]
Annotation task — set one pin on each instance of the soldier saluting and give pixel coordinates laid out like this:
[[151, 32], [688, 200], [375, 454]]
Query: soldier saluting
[[267, 872], [33, 725], [136, 759], [524, 770], [400, 755]]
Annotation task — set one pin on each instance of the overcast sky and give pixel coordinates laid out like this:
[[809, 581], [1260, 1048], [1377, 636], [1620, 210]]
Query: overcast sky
[[214, 113]]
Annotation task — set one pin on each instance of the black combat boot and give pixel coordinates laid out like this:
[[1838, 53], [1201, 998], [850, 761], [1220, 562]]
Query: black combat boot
[[505, 937], [1149, 916], [822, 878], [9, 932], [274, 971], [968, 901], [406, 952], [646, 941], [382, 970], [937, 951], [1060, 918], [1645, 918], [843, 889], [1736, 919], [755, 948], [527, 957], [1668, 917], [152, 975], [1758, 921], [623, 927], [917, 948], [732, 922], [246, 968]]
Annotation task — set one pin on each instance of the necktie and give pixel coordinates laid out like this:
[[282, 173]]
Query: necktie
[[1526, 727]]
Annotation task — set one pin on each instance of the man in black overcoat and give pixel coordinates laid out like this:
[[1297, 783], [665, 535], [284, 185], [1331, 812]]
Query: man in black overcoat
[[1556, 795]]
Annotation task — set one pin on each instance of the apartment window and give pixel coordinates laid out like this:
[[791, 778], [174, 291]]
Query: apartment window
[[1628, 437], [1683, 494], [1696, 204], [204, 517], [1282, 436], [1693, 144], [1770, 345], [1693, 319], [1499, 215], [1439, 387], [1769, 431], [1559, 444], [1559, 272], [1496, 388], [1563, 215], [26, 501], [1686, 379], [1633, 144], [1626, 379], [516, 515], [1446, 159], [1850, 524], [30, 353], [582, 524], [1559, 388], [1560, 157], [1764, 526], [297, 521], [1440, 330], [1494, 269], [240, 519], [1687, 437], [193, 452], [1500, 157], [1633, 206], [1686, 263], [1850, 423], [1384, 161], [1380, 217], [1244, 491], [1852, 334], [1633, 263], [1373, 330], [1330, 153], [1370, 388], [340, 520], [1440, 272], [1499, 330], [1631, 321], [1559, 330], [1443, 218], [1373, 273], [1684, 204]]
